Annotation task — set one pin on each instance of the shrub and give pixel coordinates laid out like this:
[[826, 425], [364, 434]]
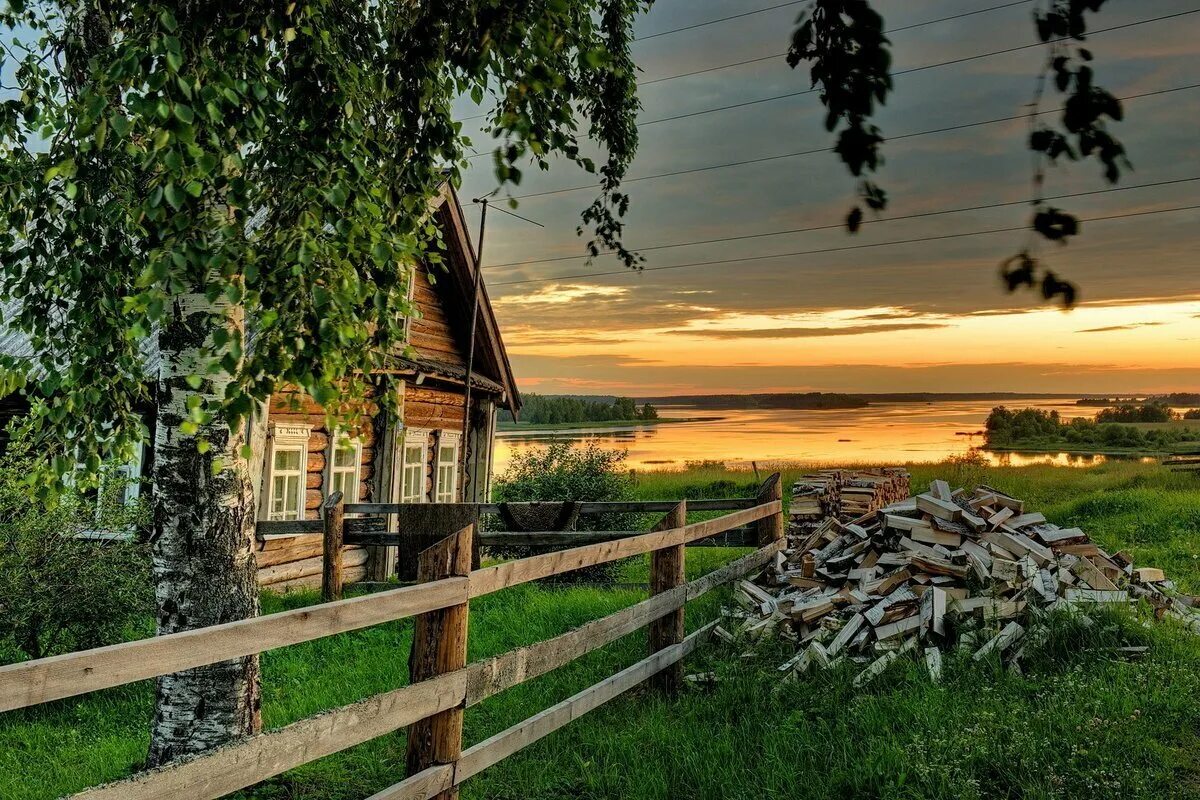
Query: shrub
[[60, 592], [561, 471]]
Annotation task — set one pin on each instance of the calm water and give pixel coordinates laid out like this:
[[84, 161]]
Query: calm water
[[891, 433]]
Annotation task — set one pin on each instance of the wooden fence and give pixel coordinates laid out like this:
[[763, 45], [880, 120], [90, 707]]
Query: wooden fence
[[442, 684]]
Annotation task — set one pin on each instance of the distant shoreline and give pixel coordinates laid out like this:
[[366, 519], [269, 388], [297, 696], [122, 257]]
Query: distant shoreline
[[838, 401], [534, 427]]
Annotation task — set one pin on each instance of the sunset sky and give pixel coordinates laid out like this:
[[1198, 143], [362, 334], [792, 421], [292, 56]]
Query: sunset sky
[[921, 316]]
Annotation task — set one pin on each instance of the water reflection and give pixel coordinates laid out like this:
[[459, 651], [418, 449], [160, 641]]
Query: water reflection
[[883, 433]]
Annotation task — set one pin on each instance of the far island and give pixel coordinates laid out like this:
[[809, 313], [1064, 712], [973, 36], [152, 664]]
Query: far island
[[549, 412], [1149, 428]]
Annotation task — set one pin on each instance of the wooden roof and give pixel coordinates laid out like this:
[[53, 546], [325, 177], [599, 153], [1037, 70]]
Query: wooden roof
[[491, 357]]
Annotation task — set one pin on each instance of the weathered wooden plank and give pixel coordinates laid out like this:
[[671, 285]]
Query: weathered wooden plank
[[490, 751], [772, 527], [440, 647], [487, 678], [666, 573], [255, 759], [305, 567], [607, 507], [32, 682], [292, 548], [738, 537], [349, 575], [289, 527], [331, 555], [512, 573]]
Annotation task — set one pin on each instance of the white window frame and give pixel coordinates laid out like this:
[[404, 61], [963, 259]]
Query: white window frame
[[413, 437], [285, 436], [442, 493], [331, 470]]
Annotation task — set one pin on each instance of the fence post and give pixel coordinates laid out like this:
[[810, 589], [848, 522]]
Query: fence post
[[667, 572], [331, 561], [771, 529], [440, 646]]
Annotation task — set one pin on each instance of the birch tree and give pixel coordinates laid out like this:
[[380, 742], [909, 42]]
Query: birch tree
[[178, 174]]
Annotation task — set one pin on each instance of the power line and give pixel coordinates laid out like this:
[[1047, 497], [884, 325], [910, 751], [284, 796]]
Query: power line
[[743, 259], [798, 153], [840, 225], [716, 21], [773, 56], [910, 70], [518, 216]]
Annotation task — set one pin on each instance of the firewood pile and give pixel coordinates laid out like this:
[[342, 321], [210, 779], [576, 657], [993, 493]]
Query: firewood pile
[[945, 569], [843, 495]]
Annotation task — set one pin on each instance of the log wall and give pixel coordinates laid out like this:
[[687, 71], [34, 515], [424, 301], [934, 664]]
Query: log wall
[[293, 562], [296, 408], [432, 335]]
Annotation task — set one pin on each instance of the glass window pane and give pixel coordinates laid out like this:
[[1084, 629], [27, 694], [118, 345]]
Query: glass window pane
[[287, 460], [344, 456]]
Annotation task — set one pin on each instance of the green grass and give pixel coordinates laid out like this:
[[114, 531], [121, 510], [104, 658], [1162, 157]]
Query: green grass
[[1077, 725]]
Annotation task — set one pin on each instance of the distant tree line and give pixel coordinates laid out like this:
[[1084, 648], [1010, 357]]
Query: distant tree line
[[1035, 427], [1148, 412], [1171, 399], [538, 409]]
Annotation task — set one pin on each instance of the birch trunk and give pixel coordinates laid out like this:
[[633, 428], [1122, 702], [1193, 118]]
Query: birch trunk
[[203, 562]]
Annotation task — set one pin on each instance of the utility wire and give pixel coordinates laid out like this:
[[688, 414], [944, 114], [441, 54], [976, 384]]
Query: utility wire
[[717, 21], [773, 56], [908, 71], [839, 225], [912, 69], [518, 216], [743, 259], [798, 153]]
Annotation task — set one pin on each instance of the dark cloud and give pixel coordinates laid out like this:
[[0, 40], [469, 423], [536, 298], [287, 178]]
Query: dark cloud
[[1117, 262], [804, 333]]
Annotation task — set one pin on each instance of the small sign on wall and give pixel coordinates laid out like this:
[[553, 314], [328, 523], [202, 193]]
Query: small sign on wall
[[292, 431]]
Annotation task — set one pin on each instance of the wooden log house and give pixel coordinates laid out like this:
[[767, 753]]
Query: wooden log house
[[420, 457]]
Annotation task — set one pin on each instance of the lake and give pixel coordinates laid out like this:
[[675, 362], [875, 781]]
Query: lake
[[883, 433]]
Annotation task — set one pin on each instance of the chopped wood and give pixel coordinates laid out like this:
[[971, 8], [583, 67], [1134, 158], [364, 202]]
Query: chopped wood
[[933, 663], [875, 574], [1001, 641], [1149, 575]]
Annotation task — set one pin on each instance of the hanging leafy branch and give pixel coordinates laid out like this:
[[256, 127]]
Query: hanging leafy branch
[[850, 63], [279, 158], [1081, 132]]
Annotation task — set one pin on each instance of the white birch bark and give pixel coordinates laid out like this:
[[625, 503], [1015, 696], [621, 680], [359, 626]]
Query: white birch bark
[[203, 562]]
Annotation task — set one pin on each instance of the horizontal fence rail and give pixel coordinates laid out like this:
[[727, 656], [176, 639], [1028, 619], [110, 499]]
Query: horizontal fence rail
[[586, 508], [435, 780], [268, 754], [32, 682], [440, 695]]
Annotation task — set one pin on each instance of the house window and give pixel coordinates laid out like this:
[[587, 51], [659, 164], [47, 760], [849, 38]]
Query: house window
[[287, 465], [345, 459], [446, 487], [412, 470]]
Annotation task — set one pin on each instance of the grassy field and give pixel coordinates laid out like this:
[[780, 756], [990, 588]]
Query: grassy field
[[1078, 724]]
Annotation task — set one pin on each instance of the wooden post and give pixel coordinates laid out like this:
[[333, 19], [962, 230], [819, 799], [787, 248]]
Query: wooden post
[[667, 572], [331, 561], [440, 646], [771, 529]]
